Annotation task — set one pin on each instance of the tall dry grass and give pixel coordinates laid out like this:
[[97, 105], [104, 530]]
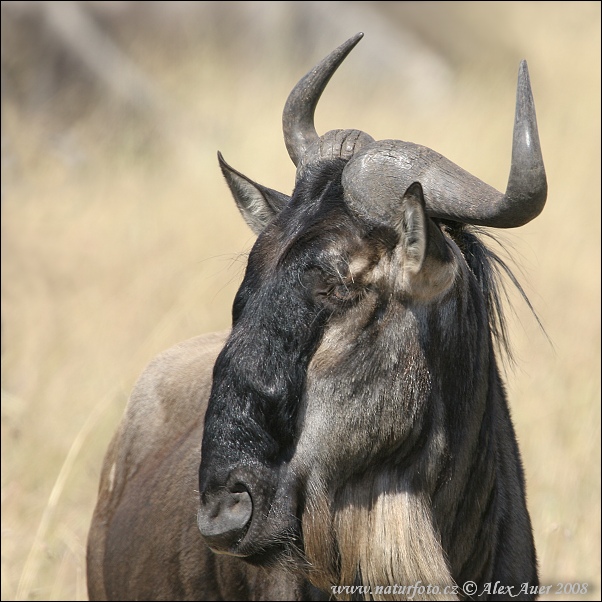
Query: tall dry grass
[[119, 239]]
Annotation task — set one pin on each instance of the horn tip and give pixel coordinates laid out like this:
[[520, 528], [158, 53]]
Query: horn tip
[[523, 73], [351, 43], [356, 38], [523, 67], [524, 94], [223, 164]]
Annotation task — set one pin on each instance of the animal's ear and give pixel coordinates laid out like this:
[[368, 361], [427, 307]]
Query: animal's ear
[[258, 204], [428, 267], [414, 228]]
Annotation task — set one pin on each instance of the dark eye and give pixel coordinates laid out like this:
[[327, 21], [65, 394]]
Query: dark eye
[[341, 292], [331, 288]]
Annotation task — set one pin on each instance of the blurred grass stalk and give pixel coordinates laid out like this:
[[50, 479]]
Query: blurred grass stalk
[[31, 566]]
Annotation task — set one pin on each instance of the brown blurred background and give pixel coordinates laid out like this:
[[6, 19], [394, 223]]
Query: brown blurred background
[[119, 237]]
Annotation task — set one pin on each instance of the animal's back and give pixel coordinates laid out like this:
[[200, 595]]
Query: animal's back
[[148, 495]]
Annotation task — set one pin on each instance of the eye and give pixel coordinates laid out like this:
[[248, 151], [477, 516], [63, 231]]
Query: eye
[[342, 292], [331, 287]]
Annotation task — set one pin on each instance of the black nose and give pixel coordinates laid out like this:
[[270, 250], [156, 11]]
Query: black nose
[[223, 517]]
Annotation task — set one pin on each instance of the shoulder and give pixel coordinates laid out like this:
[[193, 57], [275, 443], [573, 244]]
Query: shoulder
[[169, 399], [178, 371]]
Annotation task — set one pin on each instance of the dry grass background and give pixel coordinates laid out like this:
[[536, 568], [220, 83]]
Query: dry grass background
[[119, 237]]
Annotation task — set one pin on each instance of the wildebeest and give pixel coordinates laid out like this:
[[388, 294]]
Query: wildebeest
[[352, 429]]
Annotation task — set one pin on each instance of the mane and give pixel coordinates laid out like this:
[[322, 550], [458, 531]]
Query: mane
[[494, 276]]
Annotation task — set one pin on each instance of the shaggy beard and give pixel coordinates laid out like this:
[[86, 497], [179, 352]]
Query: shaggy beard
[[373, 533]]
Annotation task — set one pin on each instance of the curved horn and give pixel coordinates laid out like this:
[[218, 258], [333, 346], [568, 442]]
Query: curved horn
[[379, 174], [527, 187], [298, 116]]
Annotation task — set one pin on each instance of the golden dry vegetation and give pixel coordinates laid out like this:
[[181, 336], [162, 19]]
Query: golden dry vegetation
[[119, 239]]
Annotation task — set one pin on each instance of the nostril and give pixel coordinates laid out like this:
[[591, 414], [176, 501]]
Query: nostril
[[223, 517], [231, 508]]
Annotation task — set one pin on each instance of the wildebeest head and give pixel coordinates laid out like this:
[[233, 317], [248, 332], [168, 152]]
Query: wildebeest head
[[360, 350]]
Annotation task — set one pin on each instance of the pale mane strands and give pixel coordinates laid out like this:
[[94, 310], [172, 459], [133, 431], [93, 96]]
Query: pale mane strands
[[319, 541], [386, 536], [378, 533]]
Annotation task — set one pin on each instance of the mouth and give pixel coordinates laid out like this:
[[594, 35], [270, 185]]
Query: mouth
[[265, 552]]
